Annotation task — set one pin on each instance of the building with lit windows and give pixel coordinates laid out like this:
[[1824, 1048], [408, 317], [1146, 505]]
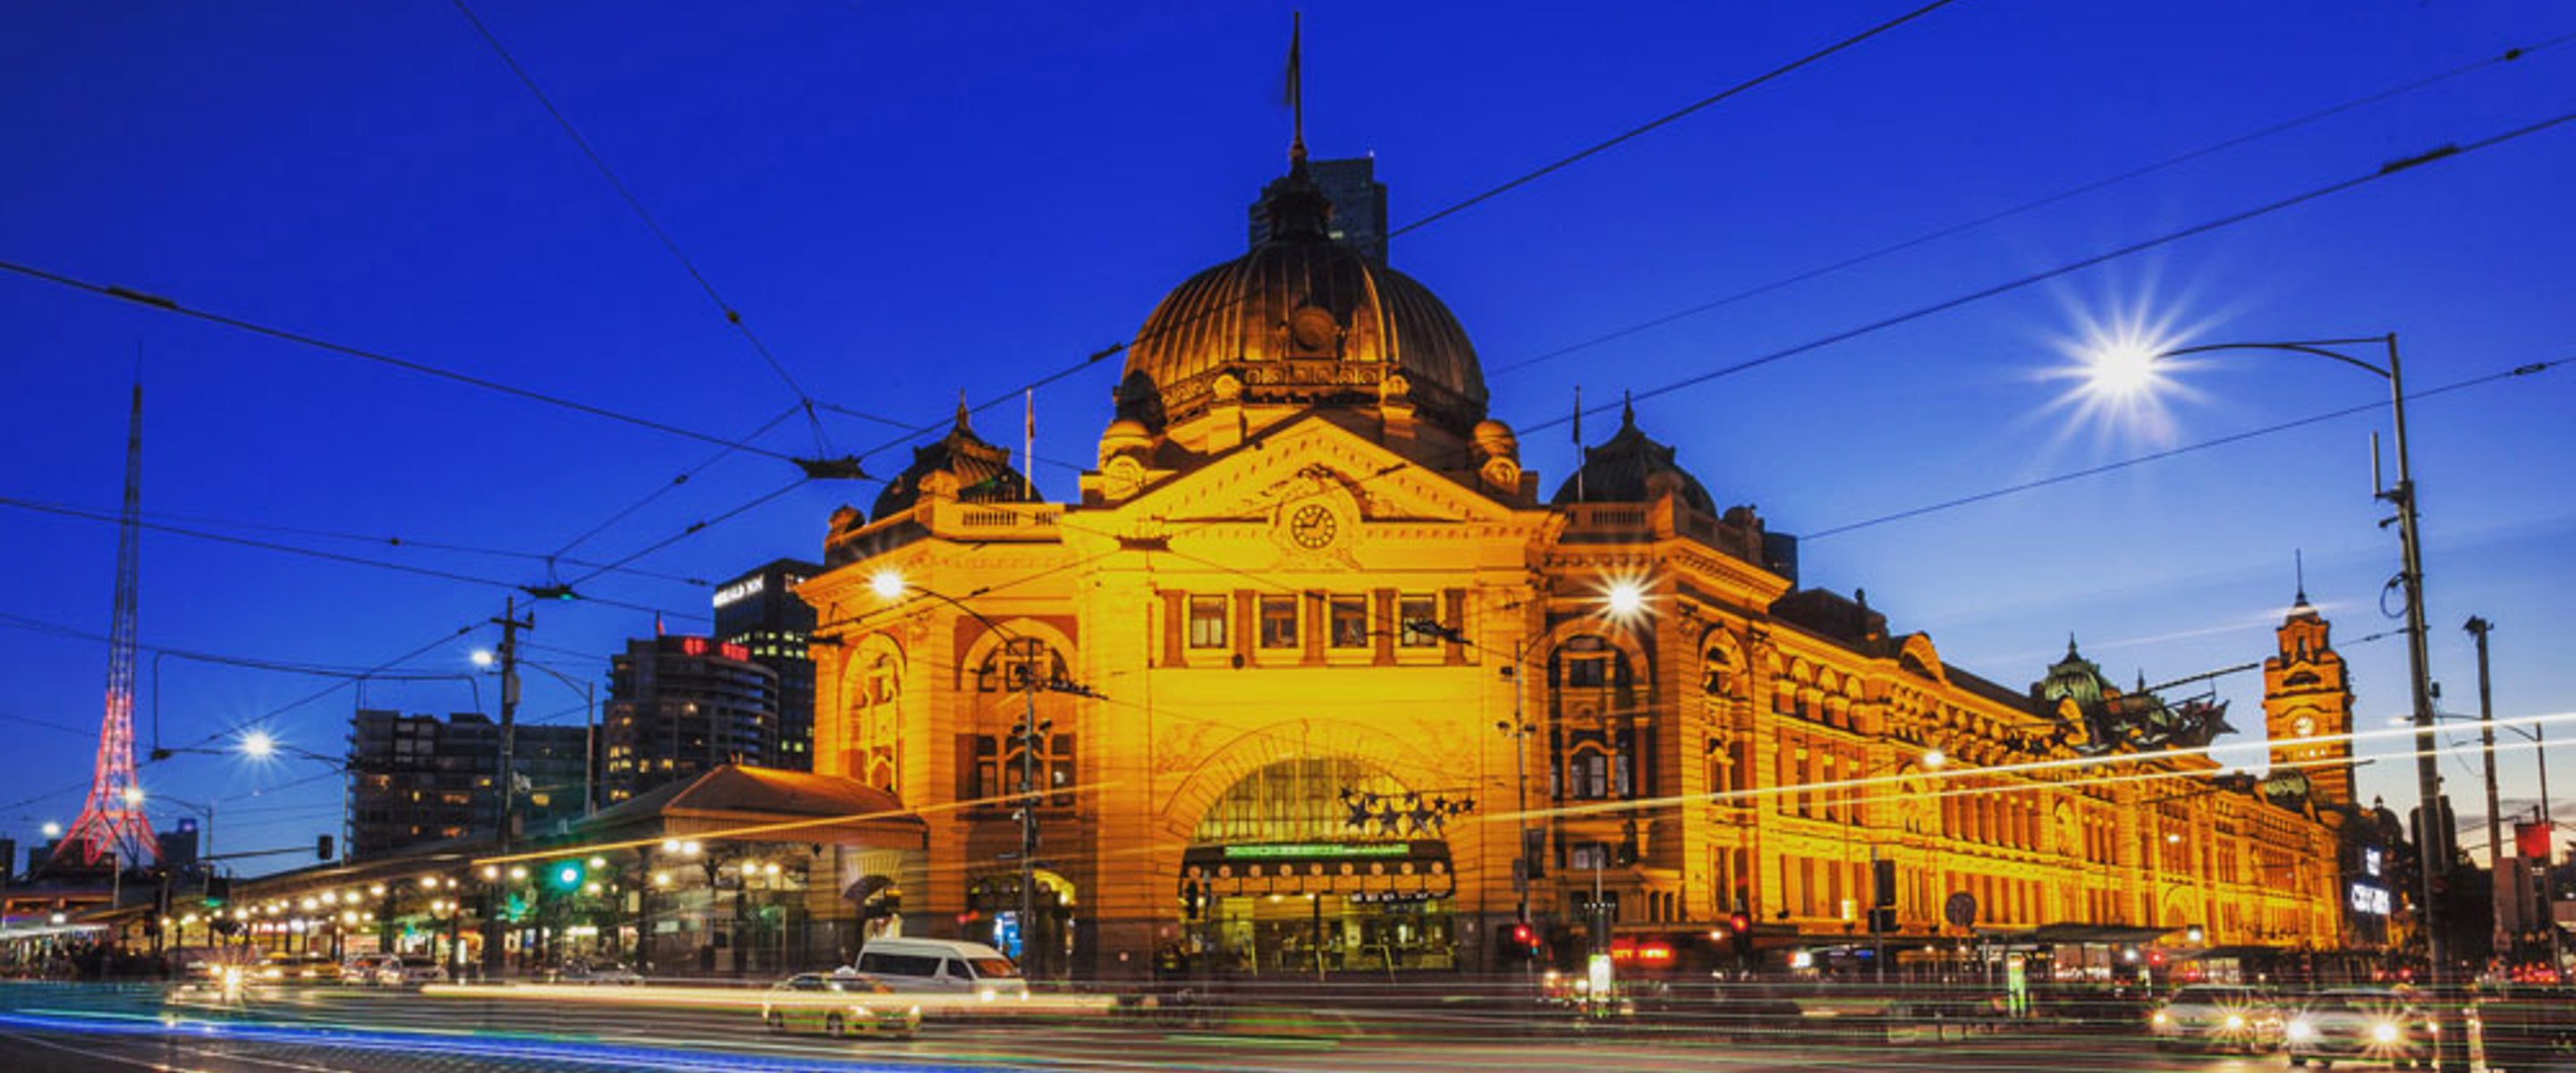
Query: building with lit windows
[[759, 611], [418, 778], [1323, 680], [680, 707]]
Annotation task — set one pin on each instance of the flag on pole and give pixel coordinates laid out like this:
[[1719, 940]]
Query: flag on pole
[[1292, 91]]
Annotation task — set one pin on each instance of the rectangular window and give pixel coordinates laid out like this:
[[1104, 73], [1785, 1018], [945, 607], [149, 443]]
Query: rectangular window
[[1587, 672], [1207, 622], [1415, 612], [1278, 622], [1350, 622]]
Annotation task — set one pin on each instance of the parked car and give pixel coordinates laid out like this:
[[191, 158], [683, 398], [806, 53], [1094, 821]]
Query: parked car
[[304, 968], [594, 972], [942, 965], [2359, 1025], [362, 968], [410, 970], [840, 1004], [2216, 1017]]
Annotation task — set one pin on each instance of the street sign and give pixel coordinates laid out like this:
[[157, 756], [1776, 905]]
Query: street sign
[[1960, 910]]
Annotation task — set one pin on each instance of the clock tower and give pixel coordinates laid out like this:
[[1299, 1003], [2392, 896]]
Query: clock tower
[[2305, 696]]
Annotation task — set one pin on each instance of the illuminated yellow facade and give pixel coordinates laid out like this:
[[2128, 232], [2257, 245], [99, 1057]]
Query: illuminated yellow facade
[[1281, 642]]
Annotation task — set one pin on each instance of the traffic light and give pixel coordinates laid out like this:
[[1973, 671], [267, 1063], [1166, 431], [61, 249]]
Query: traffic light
[[566, 875], [219, 891], [1883, 878], [1520, 941], [1191, 900], [322, 848]]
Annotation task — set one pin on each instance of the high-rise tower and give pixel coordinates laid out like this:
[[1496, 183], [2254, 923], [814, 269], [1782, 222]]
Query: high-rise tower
[[2305, 696], [112, 821]]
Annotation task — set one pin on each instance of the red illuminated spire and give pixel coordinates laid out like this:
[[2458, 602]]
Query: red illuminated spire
[[112, 820]]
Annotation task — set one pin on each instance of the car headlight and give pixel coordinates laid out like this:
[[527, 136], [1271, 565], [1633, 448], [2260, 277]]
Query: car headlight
[[915, 1013], [987, 994], [2235, 1020], [2384, 1032], [2159, 1017], [2302, 1030]]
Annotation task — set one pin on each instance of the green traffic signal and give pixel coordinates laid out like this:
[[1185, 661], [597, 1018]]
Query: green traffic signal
[[566, 875]]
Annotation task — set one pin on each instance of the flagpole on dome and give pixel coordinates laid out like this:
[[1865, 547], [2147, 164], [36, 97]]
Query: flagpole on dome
[[1296, 87]]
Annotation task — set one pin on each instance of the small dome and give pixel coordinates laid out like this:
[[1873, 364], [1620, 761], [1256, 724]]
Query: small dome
[[1632, 468], [982, 472], [1496, 438], [1301, 319]]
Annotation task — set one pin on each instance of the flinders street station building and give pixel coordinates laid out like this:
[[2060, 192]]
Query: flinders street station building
[[1316, 677]]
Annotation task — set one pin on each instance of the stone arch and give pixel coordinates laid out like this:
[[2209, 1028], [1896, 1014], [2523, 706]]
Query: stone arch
[[1724, 672], [869, 706], [2180, 908], [1251, 750], [1917, 656]]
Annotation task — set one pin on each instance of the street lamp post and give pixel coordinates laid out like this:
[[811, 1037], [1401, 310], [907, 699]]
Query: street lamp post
[[2131, 368]]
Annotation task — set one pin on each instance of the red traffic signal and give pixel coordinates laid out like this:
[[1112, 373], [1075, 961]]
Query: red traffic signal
[[1525, 935]]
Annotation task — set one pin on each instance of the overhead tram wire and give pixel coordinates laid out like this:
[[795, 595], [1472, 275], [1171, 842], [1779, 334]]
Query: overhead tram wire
[[2393, 167], [2507, 56], [1669, 117], [822, 443], [693, 529], [338, 557], [2530, 369], [169, 305], [683, 477], [1115, 349], [388, 540], [23, 622]]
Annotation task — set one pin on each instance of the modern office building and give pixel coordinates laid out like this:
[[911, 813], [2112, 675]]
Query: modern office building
[[759, 611], [1358, 218], [1328, 682], [419, 778], [679, 707]]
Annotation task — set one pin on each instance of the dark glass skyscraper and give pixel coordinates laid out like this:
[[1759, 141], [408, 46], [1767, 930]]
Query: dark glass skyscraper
[[759, 611], [1359, 206], [682, 706]]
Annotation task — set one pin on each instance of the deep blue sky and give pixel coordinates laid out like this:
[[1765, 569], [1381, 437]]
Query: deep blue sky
[[906, 201]]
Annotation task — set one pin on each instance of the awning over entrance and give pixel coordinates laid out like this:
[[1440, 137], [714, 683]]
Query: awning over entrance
[[751, 804], [1359, 871]]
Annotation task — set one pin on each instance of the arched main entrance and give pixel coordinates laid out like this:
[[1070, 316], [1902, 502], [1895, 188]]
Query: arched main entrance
[[1042, 946], [1319, 865]]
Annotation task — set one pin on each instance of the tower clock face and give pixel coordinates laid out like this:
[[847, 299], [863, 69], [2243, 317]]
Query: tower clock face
[[1312, 527], [2303, 726]]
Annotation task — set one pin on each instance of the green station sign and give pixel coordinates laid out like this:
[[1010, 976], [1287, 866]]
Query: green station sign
[[1303, 850]]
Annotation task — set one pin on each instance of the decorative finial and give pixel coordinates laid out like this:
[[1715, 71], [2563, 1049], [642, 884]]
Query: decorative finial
[[2300, 559], [1627, 410], [961, 408], [2070, 644]]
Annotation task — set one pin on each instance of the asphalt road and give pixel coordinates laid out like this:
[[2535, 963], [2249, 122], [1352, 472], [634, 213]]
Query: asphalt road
[[71, 1027]]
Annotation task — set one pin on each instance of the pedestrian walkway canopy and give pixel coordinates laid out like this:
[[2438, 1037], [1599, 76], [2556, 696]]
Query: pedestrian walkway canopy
[[752, 804]]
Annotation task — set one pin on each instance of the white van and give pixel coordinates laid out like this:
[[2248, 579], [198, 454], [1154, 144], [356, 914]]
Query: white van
[[942, 965]]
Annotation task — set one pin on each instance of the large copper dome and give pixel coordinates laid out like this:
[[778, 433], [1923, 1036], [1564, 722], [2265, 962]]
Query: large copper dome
[[1304, 320]]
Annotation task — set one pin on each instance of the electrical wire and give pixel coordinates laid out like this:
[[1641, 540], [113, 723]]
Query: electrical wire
[[354, 560], [125, 294], [1115, 349], [1669, 117], [388, 540], [2393, 167], [693, 529], [683, 477], [2156, 456], [636, 204], [2507, 56]]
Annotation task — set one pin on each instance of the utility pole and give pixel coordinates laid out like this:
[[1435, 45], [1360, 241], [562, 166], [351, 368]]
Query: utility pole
[[510, 624], [2478, 628], [2435, 848], [1031, 733]]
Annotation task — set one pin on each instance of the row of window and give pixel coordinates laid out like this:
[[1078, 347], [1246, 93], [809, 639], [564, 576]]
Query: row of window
[[1345, 621]]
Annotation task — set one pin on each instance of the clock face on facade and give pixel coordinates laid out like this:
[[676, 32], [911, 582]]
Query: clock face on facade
[[2303, 726], [1312, 527]]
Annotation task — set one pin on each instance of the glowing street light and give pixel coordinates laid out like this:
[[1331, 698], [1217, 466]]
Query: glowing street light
[[1625, 599], [52, 829], [482, 657], [133, 796], [888, 584], [1934, 758], [258, 745]]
